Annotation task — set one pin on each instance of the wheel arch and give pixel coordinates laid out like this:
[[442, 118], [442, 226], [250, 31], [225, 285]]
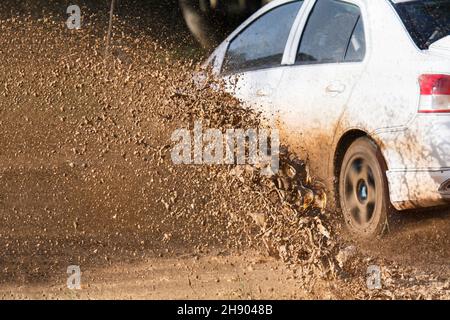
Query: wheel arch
[[342, 146]]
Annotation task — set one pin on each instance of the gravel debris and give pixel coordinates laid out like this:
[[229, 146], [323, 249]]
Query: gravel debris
[[87, 178]]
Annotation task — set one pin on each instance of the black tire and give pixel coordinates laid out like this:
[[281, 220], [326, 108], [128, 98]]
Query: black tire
[[363, 190]]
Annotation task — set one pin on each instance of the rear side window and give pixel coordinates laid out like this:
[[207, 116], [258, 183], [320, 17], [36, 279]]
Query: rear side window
[[333, 28], [426, 21], [356, 49], [262, 44]]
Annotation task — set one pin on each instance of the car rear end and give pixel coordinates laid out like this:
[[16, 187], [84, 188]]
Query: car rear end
[[423, 178]]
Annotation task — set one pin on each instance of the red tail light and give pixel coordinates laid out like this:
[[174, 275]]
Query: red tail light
[[434, 93]]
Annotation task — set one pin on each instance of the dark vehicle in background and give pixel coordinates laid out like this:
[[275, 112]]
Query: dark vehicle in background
[[210, 21]]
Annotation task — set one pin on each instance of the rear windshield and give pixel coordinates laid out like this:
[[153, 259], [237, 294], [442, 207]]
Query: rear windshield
[[426, 20]]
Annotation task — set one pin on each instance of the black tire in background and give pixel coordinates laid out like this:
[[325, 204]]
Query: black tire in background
[[363, 190]]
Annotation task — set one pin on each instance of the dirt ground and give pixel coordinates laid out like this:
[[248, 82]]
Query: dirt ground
[[86, 179], [245, 276]]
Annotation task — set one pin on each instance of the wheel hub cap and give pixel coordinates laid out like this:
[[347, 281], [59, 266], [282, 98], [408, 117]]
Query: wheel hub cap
[[360, 192]]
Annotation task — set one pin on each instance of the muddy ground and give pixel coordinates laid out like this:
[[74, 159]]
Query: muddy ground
[[87, 179]]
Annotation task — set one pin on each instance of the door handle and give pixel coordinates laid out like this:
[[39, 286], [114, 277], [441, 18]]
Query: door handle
[[263, 93], [335, 88]]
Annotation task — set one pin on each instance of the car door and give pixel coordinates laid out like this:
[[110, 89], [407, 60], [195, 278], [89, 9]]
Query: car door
[[326, 62], [252, 65]]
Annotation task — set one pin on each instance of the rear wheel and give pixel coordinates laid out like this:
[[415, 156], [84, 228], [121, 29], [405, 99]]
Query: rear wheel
[[363, 190]]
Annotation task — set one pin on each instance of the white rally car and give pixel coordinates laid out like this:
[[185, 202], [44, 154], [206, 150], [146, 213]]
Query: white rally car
[[360, 86]]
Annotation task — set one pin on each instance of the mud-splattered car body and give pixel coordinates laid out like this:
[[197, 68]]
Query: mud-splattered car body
[[321, 108]]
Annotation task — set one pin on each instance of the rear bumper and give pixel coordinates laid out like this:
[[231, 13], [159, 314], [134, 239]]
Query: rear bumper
[[418, 161], [419, 188]]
